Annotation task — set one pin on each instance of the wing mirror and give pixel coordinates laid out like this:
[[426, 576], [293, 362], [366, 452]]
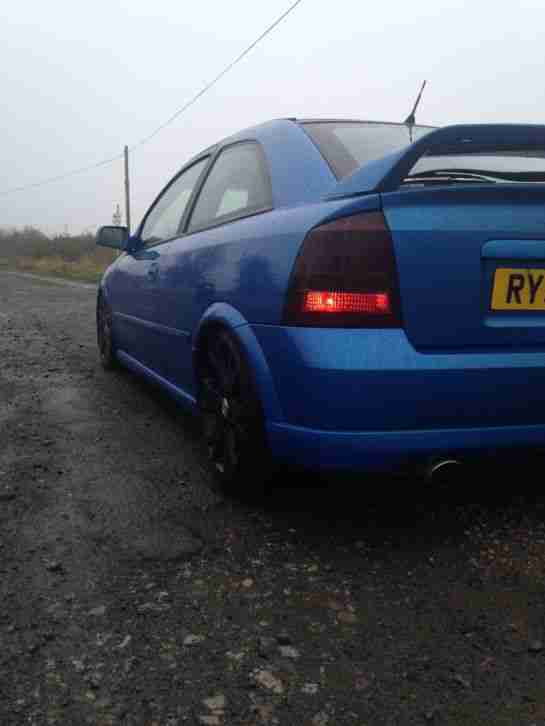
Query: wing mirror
[[115, 237]]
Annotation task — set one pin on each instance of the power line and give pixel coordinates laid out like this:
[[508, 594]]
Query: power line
[[166, 123], [60, 177], [218, 77]]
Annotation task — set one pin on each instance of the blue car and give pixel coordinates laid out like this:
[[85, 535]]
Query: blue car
[[342, 295]]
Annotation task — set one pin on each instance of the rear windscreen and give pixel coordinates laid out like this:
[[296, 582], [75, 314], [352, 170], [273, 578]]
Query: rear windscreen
[[523, 165], [347, 145]]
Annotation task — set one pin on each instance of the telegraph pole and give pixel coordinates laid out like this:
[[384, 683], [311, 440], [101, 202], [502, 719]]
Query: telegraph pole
[[127, 191]]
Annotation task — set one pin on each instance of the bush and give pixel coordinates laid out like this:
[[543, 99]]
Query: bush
[[32, 242]]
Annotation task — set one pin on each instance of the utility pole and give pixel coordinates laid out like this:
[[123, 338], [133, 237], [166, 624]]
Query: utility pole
[[127, 191]]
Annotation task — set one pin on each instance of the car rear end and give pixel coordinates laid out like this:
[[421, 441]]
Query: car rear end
[[414, 325]]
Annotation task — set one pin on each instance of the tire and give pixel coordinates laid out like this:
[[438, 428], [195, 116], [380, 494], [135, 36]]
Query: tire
[[232, 417], [105, 340]]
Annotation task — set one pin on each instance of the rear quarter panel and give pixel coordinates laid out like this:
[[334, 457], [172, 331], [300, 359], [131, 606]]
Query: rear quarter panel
[[246, 264]]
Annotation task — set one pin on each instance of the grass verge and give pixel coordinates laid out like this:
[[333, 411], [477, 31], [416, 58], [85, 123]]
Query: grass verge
[[87, 268]]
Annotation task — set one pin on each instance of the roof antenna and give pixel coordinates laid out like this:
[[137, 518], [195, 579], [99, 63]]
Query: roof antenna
[[411, 119]]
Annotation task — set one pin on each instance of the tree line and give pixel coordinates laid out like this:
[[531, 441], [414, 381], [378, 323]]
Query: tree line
[[32, 242]]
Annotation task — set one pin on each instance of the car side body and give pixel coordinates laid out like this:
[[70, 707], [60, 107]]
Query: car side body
[[453, 378]]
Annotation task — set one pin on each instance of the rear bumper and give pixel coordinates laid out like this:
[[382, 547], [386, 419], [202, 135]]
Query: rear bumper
[[366, 399], [392, 450]]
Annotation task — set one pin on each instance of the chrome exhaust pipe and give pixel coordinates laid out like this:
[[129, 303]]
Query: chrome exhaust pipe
[[443, 471]]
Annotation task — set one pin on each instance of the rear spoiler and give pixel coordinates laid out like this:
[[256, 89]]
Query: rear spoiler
[[387, 174]]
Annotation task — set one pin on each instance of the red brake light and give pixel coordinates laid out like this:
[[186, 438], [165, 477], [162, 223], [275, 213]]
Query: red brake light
[[346, 276], [374, 303]]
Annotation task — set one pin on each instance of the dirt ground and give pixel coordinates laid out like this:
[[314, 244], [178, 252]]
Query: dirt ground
[[132, 593]]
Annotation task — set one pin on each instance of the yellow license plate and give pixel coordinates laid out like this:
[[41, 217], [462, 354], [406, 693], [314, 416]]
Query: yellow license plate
[[518, 289]]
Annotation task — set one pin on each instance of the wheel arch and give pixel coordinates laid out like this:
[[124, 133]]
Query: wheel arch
[[226, 317]]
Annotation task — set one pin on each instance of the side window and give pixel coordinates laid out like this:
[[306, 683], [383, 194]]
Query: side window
[[164, 219], [238, 184]]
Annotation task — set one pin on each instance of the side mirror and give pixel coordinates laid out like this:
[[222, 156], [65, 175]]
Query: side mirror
[[115, 237]]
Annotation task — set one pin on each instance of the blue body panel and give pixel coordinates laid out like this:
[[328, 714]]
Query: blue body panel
[[442, 240], [287, 147], [342, 379], [456, 378], [392, 451]]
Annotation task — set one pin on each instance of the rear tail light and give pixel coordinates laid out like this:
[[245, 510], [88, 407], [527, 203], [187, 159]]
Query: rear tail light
[[375, 303], [346, 276]]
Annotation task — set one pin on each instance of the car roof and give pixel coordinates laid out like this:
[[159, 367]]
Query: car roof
[[356, 121], [287, 135], [254, 132]]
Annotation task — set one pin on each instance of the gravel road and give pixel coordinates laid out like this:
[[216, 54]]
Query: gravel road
[[133, 593]]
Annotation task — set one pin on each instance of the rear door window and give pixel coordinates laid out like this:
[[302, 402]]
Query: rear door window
[[238, 185]]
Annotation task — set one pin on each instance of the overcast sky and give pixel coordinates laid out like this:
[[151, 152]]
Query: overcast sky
[[81, 79]]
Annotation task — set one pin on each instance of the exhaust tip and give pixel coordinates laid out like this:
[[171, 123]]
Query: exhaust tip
[[443, 471]]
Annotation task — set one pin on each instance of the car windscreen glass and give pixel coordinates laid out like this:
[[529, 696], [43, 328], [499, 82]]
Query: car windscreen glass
[[347, 145]]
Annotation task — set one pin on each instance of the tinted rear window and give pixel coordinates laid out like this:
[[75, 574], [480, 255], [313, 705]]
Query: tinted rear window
[[347, 145], [518, 166]]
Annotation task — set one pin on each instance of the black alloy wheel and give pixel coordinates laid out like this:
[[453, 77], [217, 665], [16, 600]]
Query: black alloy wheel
[[232, 417], [105, 342]]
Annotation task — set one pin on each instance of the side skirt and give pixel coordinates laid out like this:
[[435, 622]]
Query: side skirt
[[173, 391]]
